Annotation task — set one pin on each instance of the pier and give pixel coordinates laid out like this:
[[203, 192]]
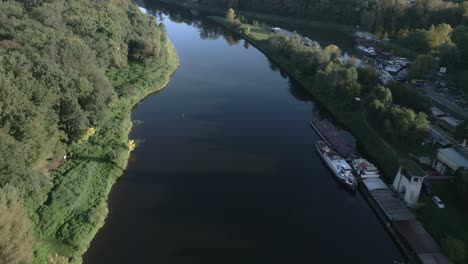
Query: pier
[[391, 205], [409, 234], [329, 133]]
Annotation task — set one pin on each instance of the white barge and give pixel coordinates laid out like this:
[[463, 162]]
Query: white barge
[[337, 165]]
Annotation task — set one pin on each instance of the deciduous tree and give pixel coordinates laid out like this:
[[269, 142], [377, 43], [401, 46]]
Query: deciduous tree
[[15, 230]]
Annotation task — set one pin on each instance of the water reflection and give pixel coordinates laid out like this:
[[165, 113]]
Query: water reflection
[[235, 180], [299, 92]]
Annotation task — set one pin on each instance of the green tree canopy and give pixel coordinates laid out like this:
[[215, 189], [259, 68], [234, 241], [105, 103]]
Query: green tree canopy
[[421, 66]]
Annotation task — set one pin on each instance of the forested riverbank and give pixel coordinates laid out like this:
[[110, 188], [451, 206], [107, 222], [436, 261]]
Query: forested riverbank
[[382, 120], [70, 74], [375, 120], [380, 17], [334, 84], [233, 126]]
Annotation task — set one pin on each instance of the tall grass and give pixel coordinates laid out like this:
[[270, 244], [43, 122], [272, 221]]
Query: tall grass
[[76, 206]]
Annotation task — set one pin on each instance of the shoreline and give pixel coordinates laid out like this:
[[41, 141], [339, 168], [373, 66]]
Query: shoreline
[[268, 18], [333, 109], [81, 171], [364, 143], [360, 131]]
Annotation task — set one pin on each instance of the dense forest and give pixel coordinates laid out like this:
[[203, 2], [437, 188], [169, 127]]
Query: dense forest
[[377, 16], [333, 79], [57, 89], [436, 30]]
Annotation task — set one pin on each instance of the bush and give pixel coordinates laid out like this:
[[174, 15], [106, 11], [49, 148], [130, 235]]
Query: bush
[[144, 50], [245, 31]]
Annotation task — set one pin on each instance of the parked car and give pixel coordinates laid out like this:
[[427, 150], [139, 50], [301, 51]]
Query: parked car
[[438, 202], [418, 83], [442, 84]]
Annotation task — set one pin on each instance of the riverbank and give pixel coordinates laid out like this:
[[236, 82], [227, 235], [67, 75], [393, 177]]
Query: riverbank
[[354, 118], [303, 26], [299, 24], [76, 207]]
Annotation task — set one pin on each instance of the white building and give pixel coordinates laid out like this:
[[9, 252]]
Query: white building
[[442, 71], [408, 182]]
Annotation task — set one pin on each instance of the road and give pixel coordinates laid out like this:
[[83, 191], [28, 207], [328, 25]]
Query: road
[[431, 93]]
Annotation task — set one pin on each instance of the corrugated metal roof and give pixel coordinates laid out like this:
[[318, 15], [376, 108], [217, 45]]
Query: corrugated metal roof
[[437, 112], [391, 205], [374, 184], [451, 121], [441, 139], [454, 158]]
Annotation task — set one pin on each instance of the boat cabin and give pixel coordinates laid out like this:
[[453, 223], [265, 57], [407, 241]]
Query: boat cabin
[[365, 169]]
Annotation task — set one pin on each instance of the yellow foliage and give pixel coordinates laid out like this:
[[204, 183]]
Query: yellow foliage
[[56, 259], [131, 145], [16, 238], [88, 133]]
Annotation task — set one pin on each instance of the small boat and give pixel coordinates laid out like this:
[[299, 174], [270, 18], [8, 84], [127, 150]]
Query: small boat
[[364, 169], [337, 164], [367, 51], [393, 69]]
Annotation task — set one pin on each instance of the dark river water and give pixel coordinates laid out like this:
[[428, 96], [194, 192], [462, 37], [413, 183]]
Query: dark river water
[[227, 171]]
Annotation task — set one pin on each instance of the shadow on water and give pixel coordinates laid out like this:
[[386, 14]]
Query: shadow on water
[[228, 172]]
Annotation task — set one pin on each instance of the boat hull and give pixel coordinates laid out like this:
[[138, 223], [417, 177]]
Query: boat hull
[[351, 187]]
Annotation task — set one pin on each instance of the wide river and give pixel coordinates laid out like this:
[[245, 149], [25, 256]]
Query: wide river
[[226, 171]]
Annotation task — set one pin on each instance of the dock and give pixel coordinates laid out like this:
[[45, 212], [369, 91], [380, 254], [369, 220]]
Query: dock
[[409, 234], [391, 205], [329, 133], [417, 244]]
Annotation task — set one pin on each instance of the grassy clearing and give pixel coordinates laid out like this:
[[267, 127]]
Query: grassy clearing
[[448, 222], [256, 33], [76, 206], [297, 23]]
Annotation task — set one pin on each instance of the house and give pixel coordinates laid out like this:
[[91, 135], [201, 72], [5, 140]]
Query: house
[[385, 77], [438, 139], [393, 69], [442, 71], [451, 161], [449, 123], [408, 181], [437, 113], [402, 75], [404, 62]]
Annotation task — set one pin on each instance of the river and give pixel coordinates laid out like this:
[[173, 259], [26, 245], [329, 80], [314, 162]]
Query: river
[[226, 171]]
